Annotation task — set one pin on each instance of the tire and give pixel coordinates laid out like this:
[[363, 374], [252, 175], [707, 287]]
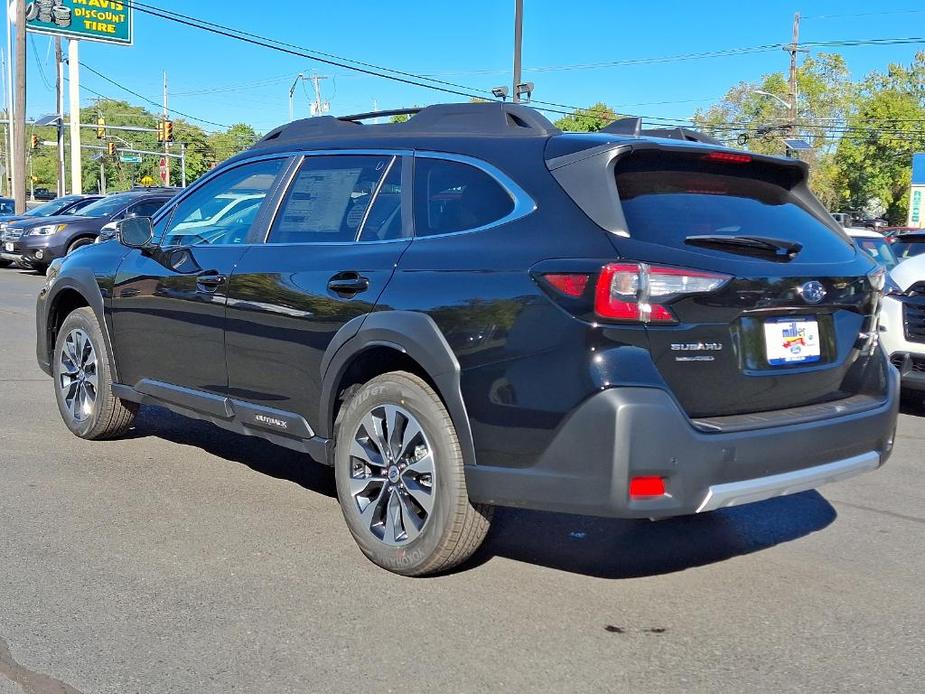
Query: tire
[[433, 526], [36, 268], [78, 243], [83, 380], [5, 263]]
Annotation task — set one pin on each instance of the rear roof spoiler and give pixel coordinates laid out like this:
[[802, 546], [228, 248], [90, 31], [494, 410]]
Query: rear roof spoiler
[[633, 126]]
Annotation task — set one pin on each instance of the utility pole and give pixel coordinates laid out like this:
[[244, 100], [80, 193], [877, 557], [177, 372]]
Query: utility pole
[[11, 145], [59, 100], [166, 144], [794, 50], [183, 164], [19, 117], [318, 107], [518, 43], [6, 125], [73, 83]]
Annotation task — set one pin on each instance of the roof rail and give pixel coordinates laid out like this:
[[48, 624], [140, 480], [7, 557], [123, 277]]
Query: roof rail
[[633, 126], [480, 118]]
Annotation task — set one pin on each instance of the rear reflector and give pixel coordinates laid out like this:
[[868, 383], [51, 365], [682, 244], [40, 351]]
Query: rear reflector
[[647, 486], [728, 157], [571, 284]]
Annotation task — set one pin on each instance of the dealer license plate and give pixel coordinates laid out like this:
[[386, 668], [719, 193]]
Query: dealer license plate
[[792, 340]]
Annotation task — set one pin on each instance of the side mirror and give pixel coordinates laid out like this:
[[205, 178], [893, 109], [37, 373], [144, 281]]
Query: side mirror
[[135, 232]]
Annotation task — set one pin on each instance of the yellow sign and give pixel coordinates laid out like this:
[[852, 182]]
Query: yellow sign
[[147, 181]]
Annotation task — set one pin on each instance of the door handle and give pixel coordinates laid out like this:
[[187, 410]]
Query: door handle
[[348, 283], [210, 281]]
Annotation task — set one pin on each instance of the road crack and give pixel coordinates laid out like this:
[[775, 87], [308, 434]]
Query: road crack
[[30, 682]]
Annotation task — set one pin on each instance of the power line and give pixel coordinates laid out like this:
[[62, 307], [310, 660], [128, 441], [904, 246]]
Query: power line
[[150, 101], [292, 49]]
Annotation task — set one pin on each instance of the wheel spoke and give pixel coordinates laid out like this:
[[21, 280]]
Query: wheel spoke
[[422, 495], [412, 432], [366, 452], [369, 513], [422, 466], [392, 518], [411, 522], [373, 427], [359, 485], [393, 430]]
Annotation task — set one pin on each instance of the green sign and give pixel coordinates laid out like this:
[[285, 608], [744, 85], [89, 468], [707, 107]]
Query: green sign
[[91, 20], [130, 158]]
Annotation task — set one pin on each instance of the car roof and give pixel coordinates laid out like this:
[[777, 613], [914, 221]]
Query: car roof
[[915, 237], [909, 271]]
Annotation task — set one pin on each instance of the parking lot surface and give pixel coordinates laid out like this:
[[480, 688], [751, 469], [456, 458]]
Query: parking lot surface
[[187, 559]]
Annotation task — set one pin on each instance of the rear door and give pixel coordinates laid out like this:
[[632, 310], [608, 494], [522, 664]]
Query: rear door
[[791, 325], [340, 229]]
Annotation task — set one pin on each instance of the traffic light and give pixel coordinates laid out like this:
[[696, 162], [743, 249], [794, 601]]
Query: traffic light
[[111, 148], [100, 128], [165, 131], [35, 142]]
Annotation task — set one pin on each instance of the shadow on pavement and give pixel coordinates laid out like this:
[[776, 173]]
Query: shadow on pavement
[[257, 454], [612, 548], [607, 548]]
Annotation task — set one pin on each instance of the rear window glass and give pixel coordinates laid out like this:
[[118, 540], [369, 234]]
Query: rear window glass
[[450, 196], [669, 206], [909, 248]]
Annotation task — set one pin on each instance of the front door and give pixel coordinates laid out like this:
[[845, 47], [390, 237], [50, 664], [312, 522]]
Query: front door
[[168, 304], [331, 249]]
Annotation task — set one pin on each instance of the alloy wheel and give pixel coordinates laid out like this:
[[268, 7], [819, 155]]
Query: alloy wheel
[[78, 377], [392, 474]]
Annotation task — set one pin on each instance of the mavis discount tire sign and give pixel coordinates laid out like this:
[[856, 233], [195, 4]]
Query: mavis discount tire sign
[[91, 20]]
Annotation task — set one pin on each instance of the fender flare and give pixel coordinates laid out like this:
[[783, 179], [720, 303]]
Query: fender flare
[[412, 333], [83, 281]]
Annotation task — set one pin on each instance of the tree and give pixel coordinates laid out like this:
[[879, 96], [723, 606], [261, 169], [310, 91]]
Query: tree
[[587, 120], [236, 139]]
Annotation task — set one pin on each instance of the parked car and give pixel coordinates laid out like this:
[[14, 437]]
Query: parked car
[[875, 245], [43, 194], [902, 324], [909, 244], [66, 204], [36, 242], [7, 206], [472, 309]]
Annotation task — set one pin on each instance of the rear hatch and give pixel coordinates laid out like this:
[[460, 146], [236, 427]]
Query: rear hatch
[[754, 298]]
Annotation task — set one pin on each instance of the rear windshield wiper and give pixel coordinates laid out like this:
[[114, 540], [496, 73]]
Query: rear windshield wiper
[[781, 250]]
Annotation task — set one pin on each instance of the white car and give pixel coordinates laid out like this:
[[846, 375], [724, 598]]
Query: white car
[[875, 244], [902, 323]]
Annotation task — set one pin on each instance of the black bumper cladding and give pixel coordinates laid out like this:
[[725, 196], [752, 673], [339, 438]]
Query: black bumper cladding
[[623, 433]]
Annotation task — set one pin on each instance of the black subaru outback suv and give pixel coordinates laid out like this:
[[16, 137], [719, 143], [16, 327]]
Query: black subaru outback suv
[[473, 309]]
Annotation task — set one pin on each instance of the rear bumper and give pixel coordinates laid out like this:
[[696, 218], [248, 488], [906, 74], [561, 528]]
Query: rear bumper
[[623, 433]]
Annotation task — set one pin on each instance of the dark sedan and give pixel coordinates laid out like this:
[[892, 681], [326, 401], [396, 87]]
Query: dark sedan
[[35, 242]]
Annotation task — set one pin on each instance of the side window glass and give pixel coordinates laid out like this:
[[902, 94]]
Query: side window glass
[[384, 222], [328, 199], [147, 208], [223, 210], [450, 196]]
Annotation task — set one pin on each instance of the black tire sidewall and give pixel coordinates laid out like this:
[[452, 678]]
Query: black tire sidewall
[[82, 319], [413, 557], [77, 243]]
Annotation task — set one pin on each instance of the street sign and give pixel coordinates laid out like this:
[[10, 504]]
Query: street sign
[[147, 181], [109, 21], [130, 158]]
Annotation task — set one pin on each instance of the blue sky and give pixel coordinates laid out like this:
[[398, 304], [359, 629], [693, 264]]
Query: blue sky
[[226, 81]]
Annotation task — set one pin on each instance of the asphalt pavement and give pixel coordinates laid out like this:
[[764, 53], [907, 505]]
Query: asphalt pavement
[[186, 559]]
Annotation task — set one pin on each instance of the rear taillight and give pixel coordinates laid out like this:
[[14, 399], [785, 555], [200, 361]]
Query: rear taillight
[[638, 292], [728, 157]]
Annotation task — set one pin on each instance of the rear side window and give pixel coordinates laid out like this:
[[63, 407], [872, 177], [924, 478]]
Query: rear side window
[[328, 200], [667, 203], [909, 248], [450, 196]]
